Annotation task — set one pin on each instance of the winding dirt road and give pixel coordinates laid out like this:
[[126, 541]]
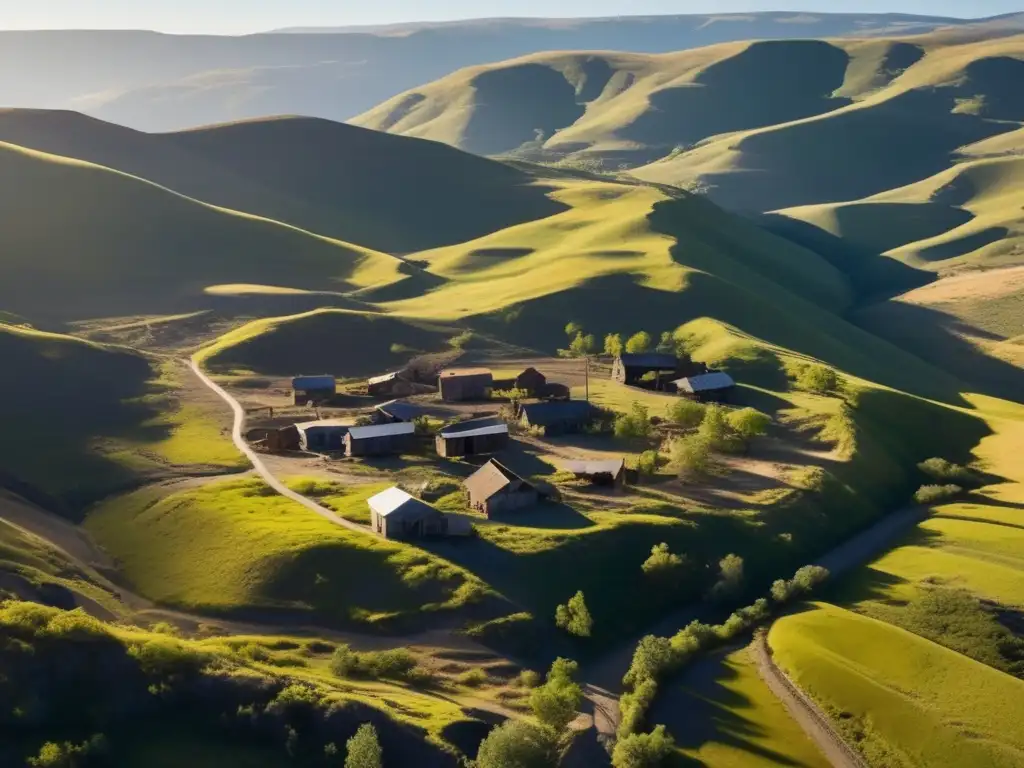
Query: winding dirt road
[[257, 462]]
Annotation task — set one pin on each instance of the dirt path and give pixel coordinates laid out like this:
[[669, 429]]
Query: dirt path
[[257, 462], [802, 709]]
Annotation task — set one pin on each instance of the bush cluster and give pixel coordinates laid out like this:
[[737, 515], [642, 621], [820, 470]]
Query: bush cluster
[[394, 664], [819, 379], [933, 494], [946, 472], [657, 657], [635, 424]]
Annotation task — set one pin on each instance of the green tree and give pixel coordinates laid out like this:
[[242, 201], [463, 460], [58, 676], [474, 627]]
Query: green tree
[[730, 577], [647, 463], [572, 330], [690, 456], [636, 423], [748, 423], [667, 343], [556, 703], [363, 750], [581, 345], [662, 561], [638, 342], [686, 413], [613, 344], [574, 617], [518, 744], [643, 750], [652, 658], [819, 379], [714, 428]]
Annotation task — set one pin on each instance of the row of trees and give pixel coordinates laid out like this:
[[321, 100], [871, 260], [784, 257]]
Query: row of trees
[[583, 344], [657, 657]]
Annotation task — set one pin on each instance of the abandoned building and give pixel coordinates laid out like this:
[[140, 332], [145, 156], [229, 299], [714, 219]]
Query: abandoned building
[[394, 514], [313, 389], [381, 440], [494, 489], [651, 370], [472, 438], [275, 439], [714, 386], [553, 391], [610, 473], [556, 418], [324, 436], [395, 384], [460, 384], [397, 411]]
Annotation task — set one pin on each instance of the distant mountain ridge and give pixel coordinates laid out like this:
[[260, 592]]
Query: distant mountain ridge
[[160, 82]]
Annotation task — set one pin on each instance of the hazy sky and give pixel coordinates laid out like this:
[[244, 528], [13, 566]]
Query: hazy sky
[[242, 16]]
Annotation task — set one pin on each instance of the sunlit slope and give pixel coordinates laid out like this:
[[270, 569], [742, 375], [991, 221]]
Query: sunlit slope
[[79, 240], [971, 214], [956, 95], [913, 702], [628, 258], [332, 179], [383, 191], [631, 106]]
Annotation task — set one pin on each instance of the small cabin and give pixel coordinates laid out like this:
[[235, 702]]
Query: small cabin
[[395, 384], [462, 384], [609, 474], [633, 370], [557, 418], [494, 489], [324, 436], [397, 411], [472, 438], [313, 389], [714, 386], [381, 440], [531, 381], [394, 514]]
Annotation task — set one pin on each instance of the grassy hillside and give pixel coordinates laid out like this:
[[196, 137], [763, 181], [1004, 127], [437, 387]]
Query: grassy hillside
[[959, 712], [108, 243], [90, 420], [357, 344], [256, 553]]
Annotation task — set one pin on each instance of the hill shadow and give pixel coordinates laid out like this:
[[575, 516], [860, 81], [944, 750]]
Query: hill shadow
[[767, 83], [939, 339], [873, 276]]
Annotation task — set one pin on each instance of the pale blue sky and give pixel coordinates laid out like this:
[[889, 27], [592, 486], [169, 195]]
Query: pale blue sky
[[242, 16]]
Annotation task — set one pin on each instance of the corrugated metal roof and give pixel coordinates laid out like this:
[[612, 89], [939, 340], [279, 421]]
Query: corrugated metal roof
[[651, 360], [475, 427], [491, 478], [399, 409], [382, 430], [314, 382], [543, 414], [383, 378], [395, 501], [454, 372], [609, 467], [705, 382]]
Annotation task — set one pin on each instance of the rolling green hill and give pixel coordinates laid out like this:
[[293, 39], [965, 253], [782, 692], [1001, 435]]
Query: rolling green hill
[[329, 178], [107, 244]]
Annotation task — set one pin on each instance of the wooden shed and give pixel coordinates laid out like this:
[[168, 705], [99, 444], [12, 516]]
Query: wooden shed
[[381, 440], [609, 473], [313, 389], [395, 384], [460, 384], [630, 369], [557, 417], [472, 438], [324, 436], [394, 514], [495, 489], [397, 411], [714, 386]]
